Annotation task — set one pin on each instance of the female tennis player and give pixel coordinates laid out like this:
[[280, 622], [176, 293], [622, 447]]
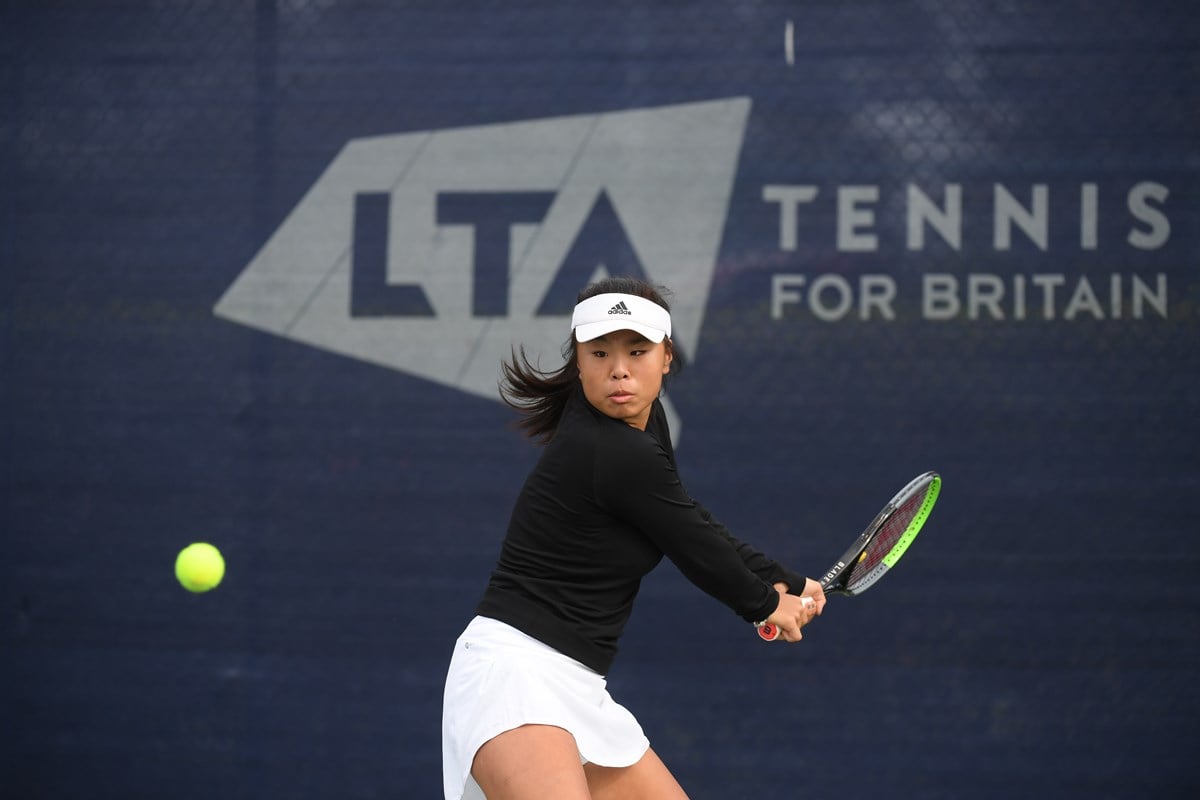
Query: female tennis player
[[526, 713]]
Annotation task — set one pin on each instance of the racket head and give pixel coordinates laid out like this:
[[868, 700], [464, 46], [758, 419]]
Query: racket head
[[887, 538], [881, 544]]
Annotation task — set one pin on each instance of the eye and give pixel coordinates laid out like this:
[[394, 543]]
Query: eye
[[599, 353]]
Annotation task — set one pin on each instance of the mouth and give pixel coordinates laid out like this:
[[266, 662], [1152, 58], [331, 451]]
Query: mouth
[[621, 396]]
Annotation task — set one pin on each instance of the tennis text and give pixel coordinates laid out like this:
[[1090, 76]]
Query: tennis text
[[993, 223]]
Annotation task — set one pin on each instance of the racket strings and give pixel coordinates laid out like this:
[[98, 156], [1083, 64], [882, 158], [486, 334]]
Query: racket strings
[[893, 529]]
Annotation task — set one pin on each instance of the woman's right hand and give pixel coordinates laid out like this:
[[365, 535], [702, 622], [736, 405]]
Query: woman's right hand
[[792, 614]]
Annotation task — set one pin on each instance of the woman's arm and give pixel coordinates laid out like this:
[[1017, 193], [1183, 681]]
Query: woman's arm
[[761, 565]]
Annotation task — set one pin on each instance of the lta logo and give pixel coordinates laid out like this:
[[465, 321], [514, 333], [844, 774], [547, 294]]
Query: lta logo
[[434, 253]]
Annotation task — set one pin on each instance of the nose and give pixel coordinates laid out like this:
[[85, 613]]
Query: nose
[[620, 370]]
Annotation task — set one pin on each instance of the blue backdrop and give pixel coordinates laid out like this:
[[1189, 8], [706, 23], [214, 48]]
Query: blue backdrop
[[258, 262]]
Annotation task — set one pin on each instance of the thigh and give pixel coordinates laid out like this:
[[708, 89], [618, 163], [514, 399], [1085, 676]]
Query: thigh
[[648, 779], [531, 762]]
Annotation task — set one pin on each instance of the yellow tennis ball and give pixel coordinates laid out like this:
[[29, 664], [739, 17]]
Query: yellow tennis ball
[[199, 567]]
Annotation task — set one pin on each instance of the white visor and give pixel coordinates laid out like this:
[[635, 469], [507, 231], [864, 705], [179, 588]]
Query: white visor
[[605, 313]]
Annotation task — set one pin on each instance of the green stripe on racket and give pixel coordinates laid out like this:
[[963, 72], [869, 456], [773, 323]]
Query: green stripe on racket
[[881, 545]]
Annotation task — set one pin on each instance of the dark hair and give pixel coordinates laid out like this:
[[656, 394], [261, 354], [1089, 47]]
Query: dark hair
[[542, 396]]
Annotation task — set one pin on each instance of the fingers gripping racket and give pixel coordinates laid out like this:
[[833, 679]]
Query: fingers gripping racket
[[881, 545]]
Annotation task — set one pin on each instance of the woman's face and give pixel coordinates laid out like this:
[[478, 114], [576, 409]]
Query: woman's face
[[622, 374]]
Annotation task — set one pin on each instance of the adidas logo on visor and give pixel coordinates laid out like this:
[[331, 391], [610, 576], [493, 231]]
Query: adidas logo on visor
[[620, 308]]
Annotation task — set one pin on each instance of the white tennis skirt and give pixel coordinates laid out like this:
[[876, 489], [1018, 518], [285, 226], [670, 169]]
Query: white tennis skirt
[[501, 678]]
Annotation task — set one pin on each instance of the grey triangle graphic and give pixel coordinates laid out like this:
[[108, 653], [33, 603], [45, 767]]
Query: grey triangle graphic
[[668, 171]]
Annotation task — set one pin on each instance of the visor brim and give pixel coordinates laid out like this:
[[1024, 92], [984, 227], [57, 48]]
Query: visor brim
[[594, 330]]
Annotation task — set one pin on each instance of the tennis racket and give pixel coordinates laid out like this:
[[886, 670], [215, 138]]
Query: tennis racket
[[881, 545]]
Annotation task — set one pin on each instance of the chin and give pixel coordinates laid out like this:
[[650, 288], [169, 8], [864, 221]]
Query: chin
[[627, 414]]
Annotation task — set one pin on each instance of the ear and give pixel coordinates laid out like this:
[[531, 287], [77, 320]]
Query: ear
[[668, 356]]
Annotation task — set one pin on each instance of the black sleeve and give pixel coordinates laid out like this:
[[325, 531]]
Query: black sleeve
[[766, 568], [635, 480]]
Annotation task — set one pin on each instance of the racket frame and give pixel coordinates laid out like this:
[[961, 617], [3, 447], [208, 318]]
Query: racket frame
[[833, 581]]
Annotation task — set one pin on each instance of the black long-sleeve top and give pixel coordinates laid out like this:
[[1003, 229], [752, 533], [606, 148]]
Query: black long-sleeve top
[[601, 508]]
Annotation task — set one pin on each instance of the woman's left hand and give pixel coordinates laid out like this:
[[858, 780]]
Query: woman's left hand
[[813, 590]]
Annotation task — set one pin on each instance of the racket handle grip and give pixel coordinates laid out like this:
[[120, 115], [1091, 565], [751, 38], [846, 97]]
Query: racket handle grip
[[769, 631]]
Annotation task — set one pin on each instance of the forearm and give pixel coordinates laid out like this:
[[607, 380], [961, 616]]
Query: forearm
[[761, 565]]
